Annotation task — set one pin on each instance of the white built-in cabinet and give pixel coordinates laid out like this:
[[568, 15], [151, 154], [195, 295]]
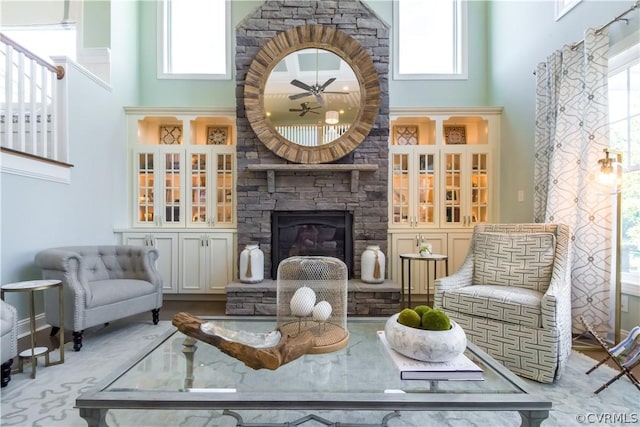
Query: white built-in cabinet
[[182, 194], [442, 181]]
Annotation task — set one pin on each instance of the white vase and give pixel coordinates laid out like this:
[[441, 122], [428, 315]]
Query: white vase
[[421, 344], [251, 264], [372, 265]]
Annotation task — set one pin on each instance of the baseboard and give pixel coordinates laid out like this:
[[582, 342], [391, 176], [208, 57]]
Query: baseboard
[[24, 328]]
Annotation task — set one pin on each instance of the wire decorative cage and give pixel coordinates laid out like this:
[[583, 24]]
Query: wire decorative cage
[[312, 295]]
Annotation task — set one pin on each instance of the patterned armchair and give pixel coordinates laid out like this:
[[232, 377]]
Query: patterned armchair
[[512, 296]]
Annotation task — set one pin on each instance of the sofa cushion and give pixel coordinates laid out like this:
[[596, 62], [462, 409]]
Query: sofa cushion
[[524, 260], [506, 304], [104, 292]]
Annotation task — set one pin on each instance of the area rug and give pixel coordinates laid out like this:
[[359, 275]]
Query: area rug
[[49, 399]]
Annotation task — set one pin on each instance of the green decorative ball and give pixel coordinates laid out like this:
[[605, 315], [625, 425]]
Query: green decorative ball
[[436, 320], [409, 318], [421, 309]]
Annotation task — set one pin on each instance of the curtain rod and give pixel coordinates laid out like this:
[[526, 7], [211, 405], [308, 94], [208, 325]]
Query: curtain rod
[[614, 20]]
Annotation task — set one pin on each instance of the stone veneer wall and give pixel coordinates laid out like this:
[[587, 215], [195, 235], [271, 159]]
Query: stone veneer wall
[[313, 190]]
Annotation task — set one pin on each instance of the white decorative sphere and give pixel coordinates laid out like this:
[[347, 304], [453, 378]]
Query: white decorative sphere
[[422, 344], [322, 311], [302, 302]]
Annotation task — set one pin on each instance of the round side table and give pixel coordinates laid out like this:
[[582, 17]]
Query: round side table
[[34, 352], [408, 258]]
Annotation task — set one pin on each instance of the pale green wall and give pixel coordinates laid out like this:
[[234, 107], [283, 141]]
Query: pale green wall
[[96, 18]]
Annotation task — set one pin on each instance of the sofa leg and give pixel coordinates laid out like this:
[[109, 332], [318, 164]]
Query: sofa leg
[[77, 340], [6, 372], [155, 313], [54, 331]]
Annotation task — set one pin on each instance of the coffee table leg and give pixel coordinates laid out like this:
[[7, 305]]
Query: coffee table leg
[[94, 417], [533, 418]]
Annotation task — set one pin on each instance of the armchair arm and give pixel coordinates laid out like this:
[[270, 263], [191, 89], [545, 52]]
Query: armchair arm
[[556, 302], [461, 278]]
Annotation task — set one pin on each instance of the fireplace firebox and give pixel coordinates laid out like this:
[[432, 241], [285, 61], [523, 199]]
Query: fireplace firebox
[[311, 233]]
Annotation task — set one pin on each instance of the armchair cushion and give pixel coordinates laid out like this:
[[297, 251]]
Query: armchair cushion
[[505, 304], [522, 260]]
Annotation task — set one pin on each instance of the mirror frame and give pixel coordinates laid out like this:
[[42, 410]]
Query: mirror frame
[[292, 40]]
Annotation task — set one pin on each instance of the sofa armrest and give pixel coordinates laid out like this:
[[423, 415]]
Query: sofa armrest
[[147, 257], [64, 265]]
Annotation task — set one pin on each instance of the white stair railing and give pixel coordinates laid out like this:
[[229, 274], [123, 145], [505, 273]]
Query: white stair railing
[[309, 135], [29, 104]]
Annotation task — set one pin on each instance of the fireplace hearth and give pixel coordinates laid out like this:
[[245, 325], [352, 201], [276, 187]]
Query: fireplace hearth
[[311, 233]]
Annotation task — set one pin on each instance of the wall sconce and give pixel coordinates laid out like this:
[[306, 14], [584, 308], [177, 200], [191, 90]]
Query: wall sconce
[[332, 117]]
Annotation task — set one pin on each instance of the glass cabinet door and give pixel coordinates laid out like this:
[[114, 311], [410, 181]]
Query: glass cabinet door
[[414, 185], [451, 199], [145, 198], [479, 188], [211, 188], [172, 187], [199, 191], [400, 189], [426, 188], [224, 189]]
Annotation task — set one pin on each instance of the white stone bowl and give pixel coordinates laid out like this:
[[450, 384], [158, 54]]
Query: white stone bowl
[[421, 344]]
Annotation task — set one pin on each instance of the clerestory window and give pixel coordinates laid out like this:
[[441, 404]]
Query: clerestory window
[[429, 39], [193, 41]]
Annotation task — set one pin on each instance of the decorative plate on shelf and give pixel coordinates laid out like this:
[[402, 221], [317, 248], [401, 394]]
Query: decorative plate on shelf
[[217, 135], [170, 134], [406, 135], [455, 134]]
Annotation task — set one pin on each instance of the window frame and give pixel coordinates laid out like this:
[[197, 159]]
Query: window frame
[[462, 45], [162, 53], [623, 54]]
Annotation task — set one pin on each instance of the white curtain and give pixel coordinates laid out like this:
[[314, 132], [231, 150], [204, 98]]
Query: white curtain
[[572, 129]]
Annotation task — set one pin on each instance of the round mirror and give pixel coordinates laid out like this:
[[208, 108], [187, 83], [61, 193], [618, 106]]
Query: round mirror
[[312, 97], [312, 94]]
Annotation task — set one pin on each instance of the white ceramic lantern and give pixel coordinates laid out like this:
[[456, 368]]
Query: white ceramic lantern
[[251, 264], [372, 265]]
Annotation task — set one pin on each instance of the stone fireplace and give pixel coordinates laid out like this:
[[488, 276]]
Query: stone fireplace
[[361, 197]]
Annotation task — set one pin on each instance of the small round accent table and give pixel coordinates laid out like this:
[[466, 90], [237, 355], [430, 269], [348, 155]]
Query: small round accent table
[[32, 286], [408, 258]]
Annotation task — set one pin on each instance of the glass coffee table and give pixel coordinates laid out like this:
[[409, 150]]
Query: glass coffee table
[[179, 373]]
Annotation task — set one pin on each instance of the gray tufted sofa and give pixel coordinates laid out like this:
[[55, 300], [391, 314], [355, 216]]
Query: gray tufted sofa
[[9, 339], [512, 296], [101, 284]]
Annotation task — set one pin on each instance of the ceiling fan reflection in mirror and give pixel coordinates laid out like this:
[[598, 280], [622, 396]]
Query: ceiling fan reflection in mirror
[[304, 109], [316, 89]]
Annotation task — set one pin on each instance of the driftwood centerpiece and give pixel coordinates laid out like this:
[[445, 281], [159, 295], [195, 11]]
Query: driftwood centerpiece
[[282, 351]]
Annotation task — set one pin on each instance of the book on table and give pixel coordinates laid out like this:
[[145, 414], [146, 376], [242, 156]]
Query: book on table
[[460, 368]]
